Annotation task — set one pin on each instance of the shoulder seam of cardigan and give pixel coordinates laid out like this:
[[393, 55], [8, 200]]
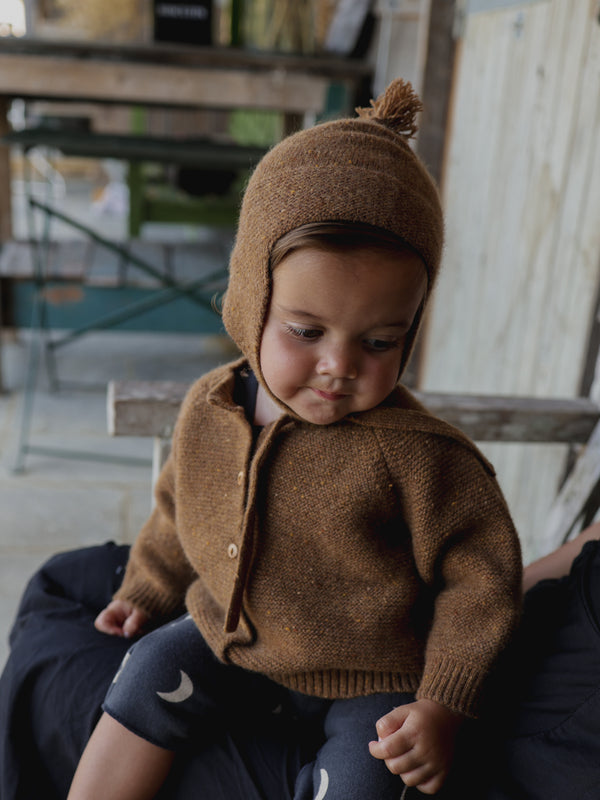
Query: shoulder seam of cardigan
[[433, 427]]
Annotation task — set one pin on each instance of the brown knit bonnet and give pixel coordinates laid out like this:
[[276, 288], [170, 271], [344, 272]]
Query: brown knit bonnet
[[350, 170]]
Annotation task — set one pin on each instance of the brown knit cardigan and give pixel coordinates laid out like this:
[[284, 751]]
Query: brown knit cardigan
[[373, 555]]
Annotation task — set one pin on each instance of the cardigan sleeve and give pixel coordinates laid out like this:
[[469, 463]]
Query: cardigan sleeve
[[466, 550], [158, 573]]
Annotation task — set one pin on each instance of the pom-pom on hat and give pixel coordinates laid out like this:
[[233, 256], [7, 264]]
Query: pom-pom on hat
[[359, 170]]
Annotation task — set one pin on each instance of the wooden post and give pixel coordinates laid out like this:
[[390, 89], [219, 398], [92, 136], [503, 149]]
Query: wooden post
[[5, 199], [579, 491], [5, 186]]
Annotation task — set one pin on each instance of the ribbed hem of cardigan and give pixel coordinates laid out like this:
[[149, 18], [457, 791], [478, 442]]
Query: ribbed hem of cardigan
[[338, 683], [456, 686]]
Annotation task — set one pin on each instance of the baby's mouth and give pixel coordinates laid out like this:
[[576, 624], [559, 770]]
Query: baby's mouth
[[328, 395]]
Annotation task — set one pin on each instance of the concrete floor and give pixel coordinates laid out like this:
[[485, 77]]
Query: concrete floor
[[59, 504]]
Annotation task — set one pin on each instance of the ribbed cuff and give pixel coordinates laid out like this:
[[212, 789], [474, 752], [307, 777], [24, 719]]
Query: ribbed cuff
[[143, 598], [456, 686]]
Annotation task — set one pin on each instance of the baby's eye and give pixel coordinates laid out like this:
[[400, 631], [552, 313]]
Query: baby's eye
[[303, 333], [381, 345]]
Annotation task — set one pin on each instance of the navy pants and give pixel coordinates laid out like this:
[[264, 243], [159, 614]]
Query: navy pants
[[172, 691], [540, 738]]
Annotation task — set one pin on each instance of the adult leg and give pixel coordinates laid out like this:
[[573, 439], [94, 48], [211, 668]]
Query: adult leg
[[343, 768], [58, 671]]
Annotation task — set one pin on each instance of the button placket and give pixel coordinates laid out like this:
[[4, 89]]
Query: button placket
[[248, 478]]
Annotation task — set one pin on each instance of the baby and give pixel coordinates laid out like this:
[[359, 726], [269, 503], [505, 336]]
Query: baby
[[335, 550]]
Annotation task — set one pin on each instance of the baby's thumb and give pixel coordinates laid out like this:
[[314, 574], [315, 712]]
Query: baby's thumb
[[133, 624], [392, 722]]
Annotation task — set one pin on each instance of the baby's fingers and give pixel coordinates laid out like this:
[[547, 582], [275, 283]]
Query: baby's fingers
[[134, 623], [409, 764], [431, 785], [416, 771], [120, 618], [395, 747], [392, 721], [108, 622]]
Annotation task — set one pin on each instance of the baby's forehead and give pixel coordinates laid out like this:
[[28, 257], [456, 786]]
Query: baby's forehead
[[322, 258], [318, 275]]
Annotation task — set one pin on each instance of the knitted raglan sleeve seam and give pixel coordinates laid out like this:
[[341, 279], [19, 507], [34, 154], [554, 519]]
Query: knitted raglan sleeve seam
[[451, 434], [392, 473], [392, 481]]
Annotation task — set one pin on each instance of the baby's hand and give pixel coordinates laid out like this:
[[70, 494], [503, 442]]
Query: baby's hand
[[416, 741], [120, 618]]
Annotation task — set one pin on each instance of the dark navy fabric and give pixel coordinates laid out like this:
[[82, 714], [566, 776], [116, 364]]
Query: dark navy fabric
[[57, 672], [539, 740], [544, 728], [171, 690], [57, 676], [343, 768]]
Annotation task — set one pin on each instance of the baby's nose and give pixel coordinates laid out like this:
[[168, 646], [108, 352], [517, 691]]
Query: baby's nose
[[338, 362]]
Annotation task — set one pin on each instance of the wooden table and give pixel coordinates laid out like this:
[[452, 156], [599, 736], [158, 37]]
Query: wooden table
[[173, 76]]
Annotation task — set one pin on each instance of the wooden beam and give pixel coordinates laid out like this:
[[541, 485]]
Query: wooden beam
[[150, 408], [330, 66], [143, 408], [516, 419], [51, 77], [579, 493], [192, 151]]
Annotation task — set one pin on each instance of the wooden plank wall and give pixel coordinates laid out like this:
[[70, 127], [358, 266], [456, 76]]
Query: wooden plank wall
[[514, 305]]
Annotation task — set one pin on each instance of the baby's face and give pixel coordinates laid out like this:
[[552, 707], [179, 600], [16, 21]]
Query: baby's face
[[335, 332]]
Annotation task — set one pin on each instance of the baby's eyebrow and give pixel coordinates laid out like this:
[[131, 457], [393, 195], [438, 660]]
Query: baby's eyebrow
[[401, 325], [297, 312]]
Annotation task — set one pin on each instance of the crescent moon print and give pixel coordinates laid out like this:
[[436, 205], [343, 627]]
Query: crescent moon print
[[324, 785], [183, 691], [120, 670]]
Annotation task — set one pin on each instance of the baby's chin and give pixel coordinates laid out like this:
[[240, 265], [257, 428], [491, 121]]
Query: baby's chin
[[323, 413]]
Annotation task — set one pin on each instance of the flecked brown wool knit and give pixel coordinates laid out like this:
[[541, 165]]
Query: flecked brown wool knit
[[351, 170], [375, 554]]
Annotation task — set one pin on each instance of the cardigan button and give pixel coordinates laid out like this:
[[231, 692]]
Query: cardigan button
[[240, 477], [232, 550]]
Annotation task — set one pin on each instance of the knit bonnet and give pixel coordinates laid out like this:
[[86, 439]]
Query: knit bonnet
[[350, 170]]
